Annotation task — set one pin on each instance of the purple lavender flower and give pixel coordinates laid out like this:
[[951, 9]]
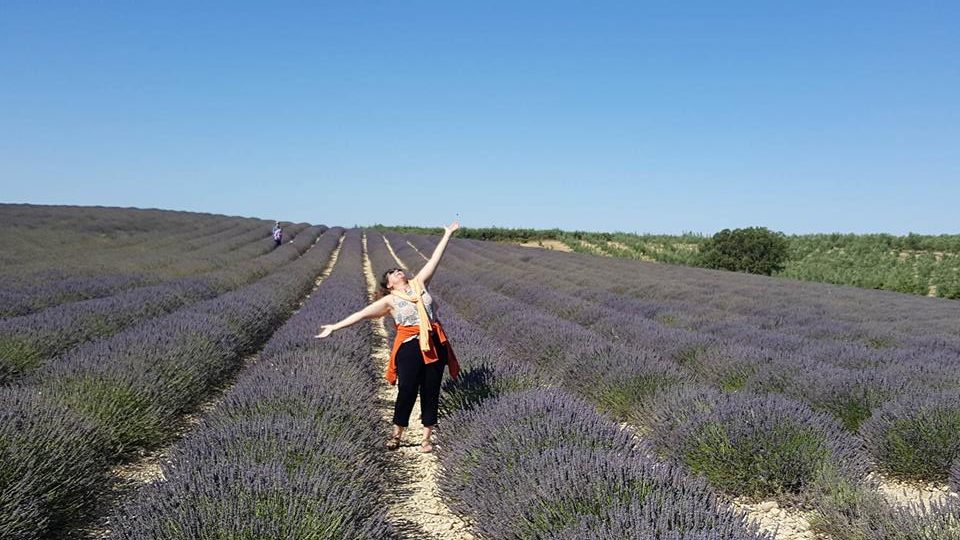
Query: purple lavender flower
[[51, 464]]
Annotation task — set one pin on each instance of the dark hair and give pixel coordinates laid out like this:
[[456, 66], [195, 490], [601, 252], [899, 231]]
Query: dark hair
[[382, 289]]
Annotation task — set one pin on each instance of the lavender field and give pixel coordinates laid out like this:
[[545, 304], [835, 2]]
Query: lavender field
[[159, 380]]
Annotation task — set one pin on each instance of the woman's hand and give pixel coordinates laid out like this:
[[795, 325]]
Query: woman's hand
[[452, 227], [325, 330]]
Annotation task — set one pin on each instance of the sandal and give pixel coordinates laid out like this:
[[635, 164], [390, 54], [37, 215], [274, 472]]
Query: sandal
[[393, 442], [426, 447]]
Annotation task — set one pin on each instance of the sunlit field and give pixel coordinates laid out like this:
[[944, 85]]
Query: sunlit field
[[160, 380]]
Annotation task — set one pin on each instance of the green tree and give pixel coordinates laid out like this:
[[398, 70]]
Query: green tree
[[756, 250]]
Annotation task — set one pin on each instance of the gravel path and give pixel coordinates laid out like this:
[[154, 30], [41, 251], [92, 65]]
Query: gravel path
[[905, 494], [394, 253], [784, 523], [416, 506]]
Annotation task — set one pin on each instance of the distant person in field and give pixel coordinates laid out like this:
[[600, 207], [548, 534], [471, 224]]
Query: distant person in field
[[277, 234], [421, 348]]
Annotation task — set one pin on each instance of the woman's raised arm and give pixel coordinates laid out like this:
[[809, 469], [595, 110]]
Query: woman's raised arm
[[426, 273], [380, 308]]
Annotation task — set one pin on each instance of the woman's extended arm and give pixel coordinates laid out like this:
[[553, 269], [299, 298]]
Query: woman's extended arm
[[426, 273], [379, 308]]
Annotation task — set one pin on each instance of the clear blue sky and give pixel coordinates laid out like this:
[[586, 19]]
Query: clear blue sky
[[634, 116]]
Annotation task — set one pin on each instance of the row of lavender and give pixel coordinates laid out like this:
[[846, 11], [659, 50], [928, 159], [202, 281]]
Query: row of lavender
[[34, 283], [705, 299], [62, 261], [185, 258], [113, 229], [107, 399], [38, 282], [745, 444], [30, 341], [728, 305], [292, 451], [124, 222], [522, 461]]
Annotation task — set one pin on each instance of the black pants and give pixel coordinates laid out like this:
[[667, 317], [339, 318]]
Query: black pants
[[414, 376]]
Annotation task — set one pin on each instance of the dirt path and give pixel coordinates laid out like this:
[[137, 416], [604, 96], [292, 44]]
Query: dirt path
[[593, 248], [547, 244], [793, 524], [783, 523], [128, 477], [904, 494], [418, 251], [416, 507], [393, 253]]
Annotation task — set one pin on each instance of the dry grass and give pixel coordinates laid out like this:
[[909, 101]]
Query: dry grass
[[548, 244]]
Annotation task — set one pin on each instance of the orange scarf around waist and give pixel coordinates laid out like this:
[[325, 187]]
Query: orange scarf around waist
[[429, 355]]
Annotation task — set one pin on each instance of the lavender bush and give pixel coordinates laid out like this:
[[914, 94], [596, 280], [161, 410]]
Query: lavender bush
[[617, 380], [480, 382], [501, 458], [916, 437], [41, 441], [592, 490], [849, 395], [725, 366], [517, 424], [251, 501], [754, 446], [848, 511]]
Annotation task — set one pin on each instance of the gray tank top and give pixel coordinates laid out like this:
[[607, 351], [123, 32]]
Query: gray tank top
[[405, 313]]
